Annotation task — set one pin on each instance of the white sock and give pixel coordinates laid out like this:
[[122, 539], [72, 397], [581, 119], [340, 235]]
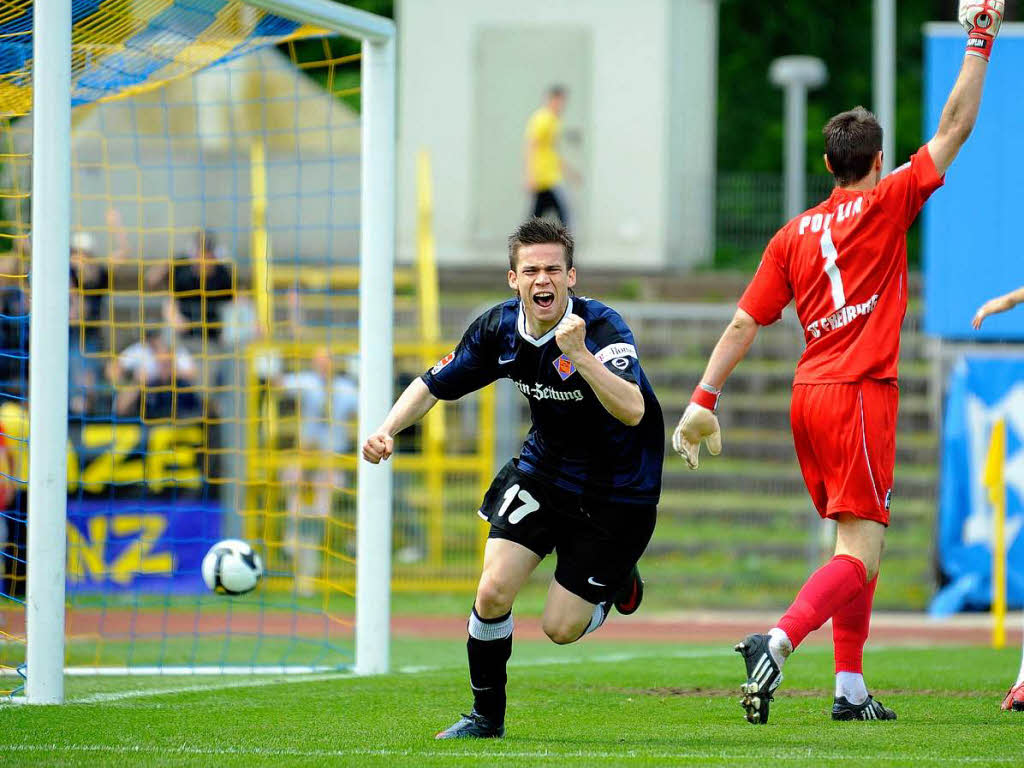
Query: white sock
[[600, 614], [1020, 675], [779, 646], [850, 685]]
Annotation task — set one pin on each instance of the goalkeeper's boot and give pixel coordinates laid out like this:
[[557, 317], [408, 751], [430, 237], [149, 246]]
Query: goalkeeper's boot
[[871, 709], [763, 677], [473, 726], [1014, 698], [631, 594]]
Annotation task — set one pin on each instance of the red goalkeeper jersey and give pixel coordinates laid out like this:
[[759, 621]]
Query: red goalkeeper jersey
[[845, 263]]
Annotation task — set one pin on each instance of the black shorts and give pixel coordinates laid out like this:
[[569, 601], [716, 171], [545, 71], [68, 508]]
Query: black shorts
[[597, 543]]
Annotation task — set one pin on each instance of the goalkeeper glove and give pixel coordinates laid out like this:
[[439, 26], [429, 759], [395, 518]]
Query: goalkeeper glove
[[981, 20], [698, 423]]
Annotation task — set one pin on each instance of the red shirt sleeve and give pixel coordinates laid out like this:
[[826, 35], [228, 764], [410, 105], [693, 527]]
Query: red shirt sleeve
[[769, 291], [903, 192]]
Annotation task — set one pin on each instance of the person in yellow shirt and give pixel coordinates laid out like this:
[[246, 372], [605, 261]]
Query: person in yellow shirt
[[544, 166]]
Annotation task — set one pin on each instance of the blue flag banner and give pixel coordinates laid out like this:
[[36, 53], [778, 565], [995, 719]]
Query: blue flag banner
[[982, 390]]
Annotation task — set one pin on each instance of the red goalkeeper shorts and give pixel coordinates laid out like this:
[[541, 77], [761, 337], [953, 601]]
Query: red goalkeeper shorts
[[845, 437]]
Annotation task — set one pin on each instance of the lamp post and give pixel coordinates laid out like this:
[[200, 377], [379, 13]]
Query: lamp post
[[796, 74]]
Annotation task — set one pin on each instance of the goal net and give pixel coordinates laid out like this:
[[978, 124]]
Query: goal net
[[221, 197]]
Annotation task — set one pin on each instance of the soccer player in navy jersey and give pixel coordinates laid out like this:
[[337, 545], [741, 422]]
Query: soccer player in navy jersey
[[588, 478]]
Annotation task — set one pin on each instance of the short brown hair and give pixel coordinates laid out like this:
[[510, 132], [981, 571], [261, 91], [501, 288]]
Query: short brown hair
[[852, 139], [539, 232]]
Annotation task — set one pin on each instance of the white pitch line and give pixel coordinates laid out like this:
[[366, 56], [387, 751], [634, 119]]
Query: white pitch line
[[475, 754], [609, 658], [104, 698]]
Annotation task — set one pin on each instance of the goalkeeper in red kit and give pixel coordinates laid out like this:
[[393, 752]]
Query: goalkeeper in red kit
[[844, 262]]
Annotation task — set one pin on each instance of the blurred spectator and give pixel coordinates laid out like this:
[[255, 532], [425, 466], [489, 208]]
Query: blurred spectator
[[545, 168], [166, 376], [14, 308], [200, 286], [91, 286], [91, 282], [326, 404]]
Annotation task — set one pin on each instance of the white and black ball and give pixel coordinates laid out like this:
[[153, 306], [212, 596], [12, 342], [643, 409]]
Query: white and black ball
[[232, 567]]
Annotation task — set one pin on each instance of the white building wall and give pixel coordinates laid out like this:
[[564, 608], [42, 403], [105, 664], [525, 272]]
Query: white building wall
[[622, 207]]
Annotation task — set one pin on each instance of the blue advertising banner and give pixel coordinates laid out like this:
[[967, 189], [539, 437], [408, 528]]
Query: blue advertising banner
[[141, 510], [967, 262], [982, 390], [139, 545]]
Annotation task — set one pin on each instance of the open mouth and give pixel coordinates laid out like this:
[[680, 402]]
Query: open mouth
[[544, 299]]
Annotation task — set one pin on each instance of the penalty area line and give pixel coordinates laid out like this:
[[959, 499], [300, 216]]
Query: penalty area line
[[609, 658]]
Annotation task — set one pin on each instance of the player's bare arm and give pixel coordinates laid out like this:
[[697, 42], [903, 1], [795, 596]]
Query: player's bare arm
[[982, 21], [410, 407], [621, 398], [699, 422], [999, 304]]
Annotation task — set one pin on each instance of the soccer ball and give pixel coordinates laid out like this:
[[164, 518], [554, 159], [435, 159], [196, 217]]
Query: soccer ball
[[232, 567]]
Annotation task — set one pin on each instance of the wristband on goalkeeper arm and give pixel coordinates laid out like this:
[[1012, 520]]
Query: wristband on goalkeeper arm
[[706, 396], [981, 19]]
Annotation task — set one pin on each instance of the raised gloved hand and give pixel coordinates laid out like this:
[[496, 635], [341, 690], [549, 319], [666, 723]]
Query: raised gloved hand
[[981, 19]]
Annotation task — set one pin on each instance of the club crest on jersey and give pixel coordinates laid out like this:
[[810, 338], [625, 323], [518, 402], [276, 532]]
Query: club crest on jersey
[[443, 362], [564, 367]]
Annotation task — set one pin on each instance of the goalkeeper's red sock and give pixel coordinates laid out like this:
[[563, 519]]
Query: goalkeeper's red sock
[[850, 626], [830, 588]]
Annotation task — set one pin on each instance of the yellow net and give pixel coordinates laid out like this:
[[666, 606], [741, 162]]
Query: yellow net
[[213, 345]]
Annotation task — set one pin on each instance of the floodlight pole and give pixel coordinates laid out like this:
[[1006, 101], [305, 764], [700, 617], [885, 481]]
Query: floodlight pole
[[48, 345], [884, 71], [796, 74]]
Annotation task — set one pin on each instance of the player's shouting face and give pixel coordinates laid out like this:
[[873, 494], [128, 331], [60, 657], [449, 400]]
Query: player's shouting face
[[542, 281]]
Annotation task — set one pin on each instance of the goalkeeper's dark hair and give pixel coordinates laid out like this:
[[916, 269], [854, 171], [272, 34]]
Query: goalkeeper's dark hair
[[852, 139], [539, 232]]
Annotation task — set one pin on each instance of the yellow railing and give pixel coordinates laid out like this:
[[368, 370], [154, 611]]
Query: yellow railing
[[437, 485]]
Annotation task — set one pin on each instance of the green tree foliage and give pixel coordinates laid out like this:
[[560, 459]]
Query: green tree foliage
[[346, 77], [754, 33]]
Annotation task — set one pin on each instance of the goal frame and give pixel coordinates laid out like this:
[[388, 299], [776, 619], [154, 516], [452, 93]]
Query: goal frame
[[51, 203]]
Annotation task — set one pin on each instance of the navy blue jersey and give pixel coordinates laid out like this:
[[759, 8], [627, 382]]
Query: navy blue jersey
[[574, 442]]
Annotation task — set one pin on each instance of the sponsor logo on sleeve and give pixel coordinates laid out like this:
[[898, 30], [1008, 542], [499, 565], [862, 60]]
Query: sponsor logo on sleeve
[[442, 363], [617, 350]]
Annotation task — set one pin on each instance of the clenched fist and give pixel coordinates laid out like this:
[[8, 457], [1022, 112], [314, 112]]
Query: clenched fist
[[378, 446], [571, 335]]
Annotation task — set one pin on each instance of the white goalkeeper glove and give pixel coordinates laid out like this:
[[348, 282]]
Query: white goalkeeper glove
[[981, 19], [698, 423]]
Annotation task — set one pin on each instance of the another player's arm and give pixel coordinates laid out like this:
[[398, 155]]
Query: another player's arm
[[761, 304], [622, 399], [699, 421], [732, 347], [999, 304], [982, 20], [410, 407]]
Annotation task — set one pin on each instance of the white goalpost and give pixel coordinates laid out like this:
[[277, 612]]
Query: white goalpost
[[49, 360], [48, 342]]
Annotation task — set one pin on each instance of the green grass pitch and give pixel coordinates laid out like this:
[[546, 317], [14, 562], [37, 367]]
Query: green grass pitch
[[596, 703]]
